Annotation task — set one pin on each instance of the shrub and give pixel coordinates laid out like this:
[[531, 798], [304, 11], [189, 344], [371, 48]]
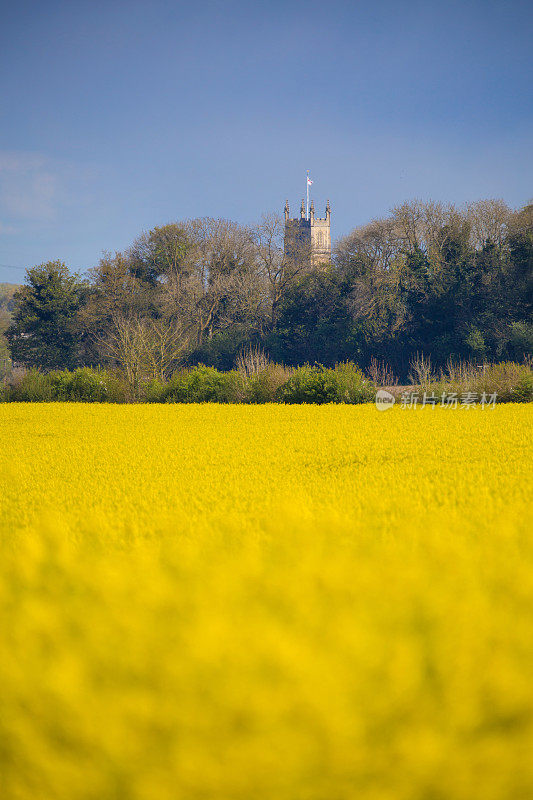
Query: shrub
[[352, 385], [154, 391], [117, 387], [523, 390], [81, 384], [309, 385], [263, 387], [512, 382], [344, 384], [88, 385], [30, 387], [203, 384], [251, 361]]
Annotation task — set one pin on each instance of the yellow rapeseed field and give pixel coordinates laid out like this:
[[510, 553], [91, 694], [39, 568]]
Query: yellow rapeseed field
[[265, 603]]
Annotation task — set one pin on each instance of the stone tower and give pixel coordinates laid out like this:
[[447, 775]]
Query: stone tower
[[311, 236]]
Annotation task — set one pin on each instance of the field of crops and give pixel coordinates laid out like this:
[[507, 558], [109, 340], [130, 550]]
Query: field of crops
[[265, 603]]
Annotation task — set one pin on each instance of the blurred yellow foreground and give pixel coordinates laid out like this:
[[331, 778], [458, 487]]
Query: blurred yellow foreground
[[265, 603]]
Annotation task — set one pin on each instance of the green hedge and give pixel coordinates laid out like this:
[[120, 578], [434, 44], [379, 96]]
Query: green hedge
[[88, 386], [32, 387], [83, 385], [205, 385], [346, 383]]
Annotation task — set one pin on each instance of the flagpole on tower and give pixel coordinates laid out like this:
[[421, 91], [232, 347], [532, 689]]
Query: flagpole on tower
[[307, 202]]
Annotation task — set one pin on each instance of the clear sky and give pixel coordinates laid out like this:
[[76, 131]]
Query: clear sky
[[118, 115]]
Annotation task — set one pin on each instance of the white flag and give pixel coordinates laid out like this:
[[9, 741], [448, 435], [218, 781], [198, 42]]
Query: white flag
[[309, 181]]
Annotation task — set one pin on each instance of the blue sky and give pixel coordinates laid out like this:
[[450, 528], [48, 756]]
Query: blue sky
[[117, 116]]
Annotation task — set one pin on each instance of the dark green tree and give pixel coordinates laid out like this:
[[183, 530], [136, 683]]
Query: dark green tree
[[43, 332], [314, 323]]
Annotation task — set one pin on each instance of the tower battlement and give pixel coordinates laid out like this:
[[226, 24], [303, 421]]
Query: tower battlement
[[310, 234]]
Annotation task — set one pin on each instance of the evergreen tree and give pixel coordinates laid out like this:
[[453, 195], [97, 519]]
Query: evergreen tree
[[43, 332]]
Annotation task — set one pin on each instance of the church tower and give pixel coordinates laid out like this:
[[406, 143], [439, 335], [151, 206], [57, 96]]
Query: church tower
[[309, 234]]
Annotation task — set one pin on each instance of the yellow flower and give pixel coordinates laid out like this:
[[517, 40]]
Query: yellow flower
[[265, 602]]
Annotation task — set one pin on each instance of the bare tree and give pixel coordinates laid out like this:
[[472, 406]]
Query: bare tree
[[489, 220], [426, 226], [280, 264], [421, 370], [166, 342], [381, 373], [407, 223], [368, 250], [145, 347], [124, 343], [221, 262], [114, 294]]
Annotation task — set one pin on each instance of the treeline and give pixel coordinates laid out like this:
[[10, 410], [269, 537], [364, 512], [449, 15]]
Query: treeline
[[430, 278]]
